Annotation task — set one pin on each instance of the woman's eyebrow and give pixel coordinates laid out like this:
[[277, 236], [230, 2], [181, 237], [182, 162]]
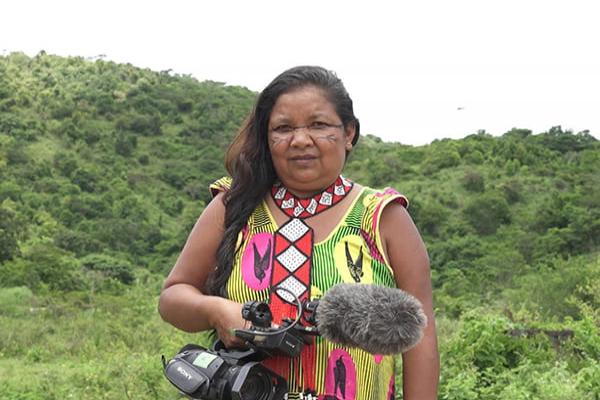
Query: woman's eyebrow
[[279, 119], [321, 114], [284, 119]]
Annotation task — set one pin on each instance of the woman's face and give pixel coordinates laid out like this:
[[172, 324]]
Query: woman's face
[[307, 140]]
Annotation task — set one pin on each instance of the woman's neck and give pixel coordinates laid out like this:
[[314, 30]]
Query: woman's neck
[[307, 194]]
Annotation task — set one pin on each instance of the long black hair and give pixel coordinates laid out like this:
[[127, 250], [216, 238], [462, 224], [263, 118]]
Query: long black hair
[[249, 163]]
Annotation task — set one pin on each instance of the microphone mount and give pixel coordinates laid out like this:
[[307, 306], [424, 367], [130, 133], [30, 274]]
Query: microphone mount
[[287, 339]]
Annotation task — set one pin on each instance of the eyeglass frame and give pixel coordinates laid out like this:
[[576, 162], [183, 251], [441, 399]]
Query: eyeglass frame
[[313, 127]]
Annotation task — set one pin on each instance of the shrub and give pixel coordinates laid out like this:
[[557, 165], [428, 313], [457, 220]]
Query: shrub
[[487, 212], [473, 181], [109, 267], [42, 266]]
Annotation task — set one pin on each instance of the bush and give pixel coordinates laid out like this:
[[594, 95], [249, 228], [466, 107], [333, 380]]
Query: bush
[[473, 182], [125, 144], [78, 242], [147, 125], [429, 215], [109, 267], [487, 212], [10, 230], [440, 158], [42, 266]]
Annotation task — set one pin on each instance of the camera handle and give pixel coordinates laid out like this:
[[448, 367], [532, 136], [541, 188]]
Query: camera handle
[[287, 339]]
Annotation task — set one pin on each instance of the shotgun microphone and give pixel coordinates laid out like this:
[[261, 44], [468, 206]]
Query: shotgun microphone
[[377, 319]]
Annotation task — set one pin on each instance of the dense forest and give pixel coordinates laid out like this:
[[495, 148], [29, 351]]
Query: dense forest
[[104, 169]]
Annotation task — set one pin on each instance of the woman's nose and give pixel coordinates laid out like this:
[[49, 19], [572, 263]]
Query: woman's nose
[[301, 137]]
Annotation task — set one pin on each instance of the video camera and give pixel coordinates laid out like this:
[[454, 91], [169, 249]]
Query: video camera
[[222, 374]]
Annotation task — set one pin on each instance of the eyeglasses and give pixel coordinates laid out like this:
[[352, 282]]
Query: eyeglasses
[[316, 130]]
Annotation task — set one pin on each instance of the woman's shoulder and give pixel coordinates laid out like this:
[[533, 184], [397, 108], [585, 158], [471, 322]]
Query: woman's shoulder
[[375, 198], [371, 205]]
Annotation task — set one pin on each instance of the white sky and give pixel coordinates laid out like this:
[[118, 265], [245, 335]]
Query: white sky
[[408, 65]]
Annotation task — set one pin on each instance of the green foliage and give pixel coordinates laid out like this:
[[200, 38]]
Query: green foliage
[[488, 357], [561, 141], [487, 212], [512, 191], [441, 157], [125, 144], [144, 124], [558, 289], [86, 345], [14, 300], [108, 267], [430, 214], [42, 266], [10, 229], [473, 182], [96, 145]]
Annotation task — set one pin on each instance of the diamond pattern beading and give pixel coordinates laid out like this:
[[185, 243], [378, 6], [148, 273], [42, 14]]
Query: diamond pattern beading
[[291, 259], [326, 199], [294, 230], [312, 207], [293, 285], [280, 193], [298, 210]]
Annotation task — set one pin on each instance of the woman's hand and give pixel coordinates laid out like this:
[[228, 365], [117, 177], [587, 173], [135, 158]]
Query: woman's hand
[[226, 317]]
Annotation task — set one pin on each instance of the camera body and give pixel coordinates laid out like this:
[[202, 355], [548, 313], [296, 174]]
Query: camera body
[[222, 374], [200, 373]]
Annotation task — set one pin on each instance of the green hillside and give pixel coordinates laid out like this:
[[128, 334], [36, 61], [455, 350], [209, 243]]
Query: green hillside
[[104, 169]]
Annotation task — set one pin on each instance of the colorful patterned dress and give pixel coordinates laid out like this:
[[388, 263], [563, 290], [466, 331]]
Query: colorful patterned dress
[[351, 253]]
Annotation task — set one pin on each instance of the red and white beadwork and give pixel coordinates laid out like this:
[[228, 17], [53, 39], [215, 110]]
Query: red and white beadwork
[[295, 207], [292, 258]]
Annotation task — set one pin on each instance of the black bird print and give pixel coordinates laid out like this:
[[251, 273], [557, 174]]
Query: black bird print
[[355, 267], [339, 374], [261, 263]]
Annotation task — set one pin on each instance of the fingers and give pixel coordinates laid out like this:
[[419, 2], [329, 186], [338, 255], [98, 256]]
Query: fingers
[[230, 340], [227, 317]]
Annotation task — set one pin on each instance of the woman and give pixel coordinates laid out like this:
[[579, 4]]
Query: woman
[[289, 219]]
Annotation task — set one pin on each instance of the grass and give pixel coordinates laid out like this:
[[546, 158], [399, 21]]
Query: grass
[[85, 347]]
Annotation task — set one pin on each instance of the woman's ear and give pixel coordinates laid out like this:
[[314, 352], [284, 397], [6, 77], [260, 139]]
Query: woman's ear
[[350, 132]]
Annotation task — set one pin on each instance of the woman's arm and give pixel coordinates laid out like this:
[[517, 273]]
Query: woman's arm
[[408, 257], [181, 301]]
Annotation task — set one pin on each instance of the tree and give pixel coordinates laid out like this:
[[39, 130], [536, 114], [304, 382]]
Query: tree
[[125, 144], [43, 265], [109, 267], [10, 229], [487, 212], [473, 181]]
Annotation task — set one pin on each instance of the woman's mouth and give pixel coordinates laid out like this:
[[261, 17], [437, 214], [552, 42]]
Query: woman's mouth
[[303, 157]]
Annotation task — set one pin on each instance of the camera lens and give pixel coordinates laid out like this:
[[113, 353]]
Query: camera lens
[[256, 387]]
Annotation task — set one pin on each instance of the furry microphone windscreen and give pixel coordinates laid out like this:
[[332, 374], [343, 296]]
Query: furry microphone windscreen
[[377, 319]]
